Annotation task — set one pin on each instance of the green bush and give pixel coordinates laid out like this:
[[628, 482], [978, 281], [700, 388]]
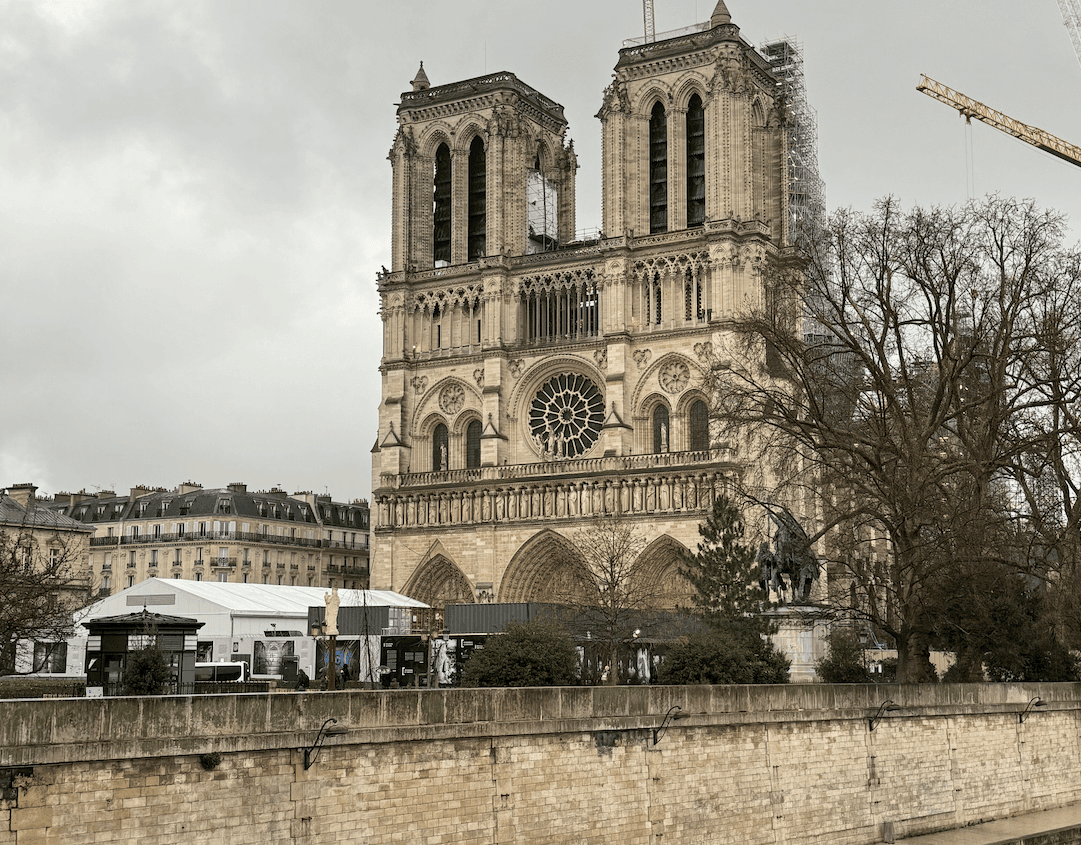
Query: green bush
[[844, 663], [729, 654], [528, 654]]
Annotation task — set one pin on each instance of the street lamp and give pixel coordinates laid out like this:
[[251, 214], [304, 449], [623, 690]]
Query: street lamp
[[1035, 702], [311, 753], [885, 707], [675, 713]]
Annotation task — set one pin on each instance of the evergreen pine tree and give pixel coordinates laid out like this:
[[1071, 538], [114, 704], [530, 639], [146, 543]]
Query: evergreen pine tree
[[723, 571]]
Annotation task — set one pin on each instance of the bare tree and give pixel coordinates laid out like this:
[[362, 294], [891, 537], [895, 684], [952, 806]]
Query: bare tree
[[889, 375], [44, 580], [609, 587]]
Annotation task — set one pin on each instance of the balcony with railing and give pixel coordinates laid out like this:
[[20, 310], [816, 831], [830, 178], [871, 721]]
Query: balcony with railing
[[584, 467], [208, 537]]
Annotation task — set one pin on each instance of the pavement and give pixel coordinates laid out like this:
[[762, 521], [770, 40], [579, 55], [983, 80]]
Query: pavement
[[1004, 831]]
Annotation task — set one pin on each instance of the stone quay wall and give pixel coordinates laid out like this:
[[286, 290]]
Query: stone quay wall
[[783, 765]]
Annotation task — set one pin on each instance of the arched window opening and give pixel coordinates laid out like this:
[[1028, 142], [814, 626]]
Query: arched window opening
[[657, 298], [692, 297], [696, 162], [658, 170], [441, 208], [477, 200], [661, 431], [698, 419], [440, 443], [472, 445]]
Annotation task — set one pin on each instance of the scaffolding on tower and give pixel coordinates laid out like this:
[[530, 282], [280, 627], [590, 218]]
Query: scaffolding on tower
[[806, 200]]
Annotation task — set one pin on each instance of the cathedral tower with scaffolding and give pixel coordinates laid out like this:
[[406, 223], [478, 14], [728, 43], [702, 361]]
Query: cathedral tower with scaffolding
[[532, 382]]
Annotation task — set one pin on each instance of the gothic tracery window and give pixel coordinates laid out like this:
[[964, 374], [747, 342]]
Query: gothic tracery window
[[566, 416]]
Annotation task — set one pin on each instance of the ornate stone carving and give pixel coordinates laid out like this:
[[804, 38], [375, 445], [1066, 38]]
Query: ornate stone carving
[[478, 377], [451, 399], [704, 351], [641, 357], [674, 376], [516, 366], [600, 356], [420, 383]]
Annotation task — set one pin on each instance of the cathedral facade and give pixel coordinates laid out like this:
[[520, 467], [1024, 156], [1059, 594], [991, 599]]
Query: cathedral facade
[[532, 381]]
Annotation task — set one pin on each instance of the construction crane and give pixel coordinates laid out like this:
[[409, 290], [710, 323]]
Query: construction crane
[[1071, 16], [647, 18], [970, 108]]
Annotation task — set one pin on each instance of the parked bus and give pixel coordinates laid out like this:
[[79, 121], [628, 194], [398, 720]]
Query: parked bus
[[221, 672]]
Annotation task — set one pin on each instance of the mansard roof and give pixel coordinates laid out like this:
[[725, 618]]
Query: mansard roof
[[37, 516], [212, 503]]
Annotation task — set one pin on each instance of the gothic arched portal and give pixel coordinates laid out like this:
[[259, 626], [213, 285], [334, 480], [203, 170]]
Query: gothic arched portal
[[659, 565], [438, 582], [539, 569], [543, 570]]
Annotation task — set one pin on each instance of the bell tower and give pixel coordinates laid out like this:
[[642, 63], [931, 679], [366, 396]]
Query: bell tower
[[480, 169], [692, 133]]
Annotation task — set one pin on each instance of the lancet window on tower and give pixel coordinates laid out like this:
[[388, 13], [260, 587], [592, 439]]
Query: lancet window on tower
[[696, 162], [477, 200], [658, 170], [441, 209]]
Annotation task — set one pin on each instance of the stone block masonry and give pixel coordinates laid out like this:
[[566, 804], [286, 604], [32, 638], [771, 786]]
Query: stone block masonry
[[789, 765]]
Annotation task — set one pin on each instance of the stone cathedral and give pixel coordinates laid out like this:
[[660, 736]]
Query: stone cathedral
[[532, 381]]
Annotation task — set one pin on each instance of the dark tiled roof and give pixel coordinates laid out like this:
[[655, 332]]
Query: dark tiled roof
[[215, 503], [12, 514]]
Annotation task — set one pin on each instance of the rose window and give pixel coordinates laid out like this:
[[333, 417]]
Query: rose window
[[452, 398], [566, 416], [674, 376]]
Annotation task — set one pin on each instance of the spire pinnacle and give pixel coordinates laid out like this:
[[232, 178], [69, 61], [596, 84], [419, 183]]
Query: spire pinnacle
[[720, 15], [420, 81]]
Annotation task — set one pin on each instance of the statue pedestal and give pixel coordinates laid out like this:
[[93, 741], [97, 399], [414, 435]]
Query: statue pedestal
[[801, 635]]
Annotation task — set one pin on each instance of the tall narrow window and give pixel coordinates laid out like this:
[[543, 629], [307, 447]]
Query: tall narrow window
[[439, 449], [661, 433], [441, 208], [658, 170], [696, 162], [698, 419], [472, 445], [477, 199]]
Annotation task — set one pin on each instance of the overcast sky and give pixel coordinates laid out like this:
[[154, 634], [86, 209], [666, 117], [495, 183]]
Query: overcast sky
[[195, 196]]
